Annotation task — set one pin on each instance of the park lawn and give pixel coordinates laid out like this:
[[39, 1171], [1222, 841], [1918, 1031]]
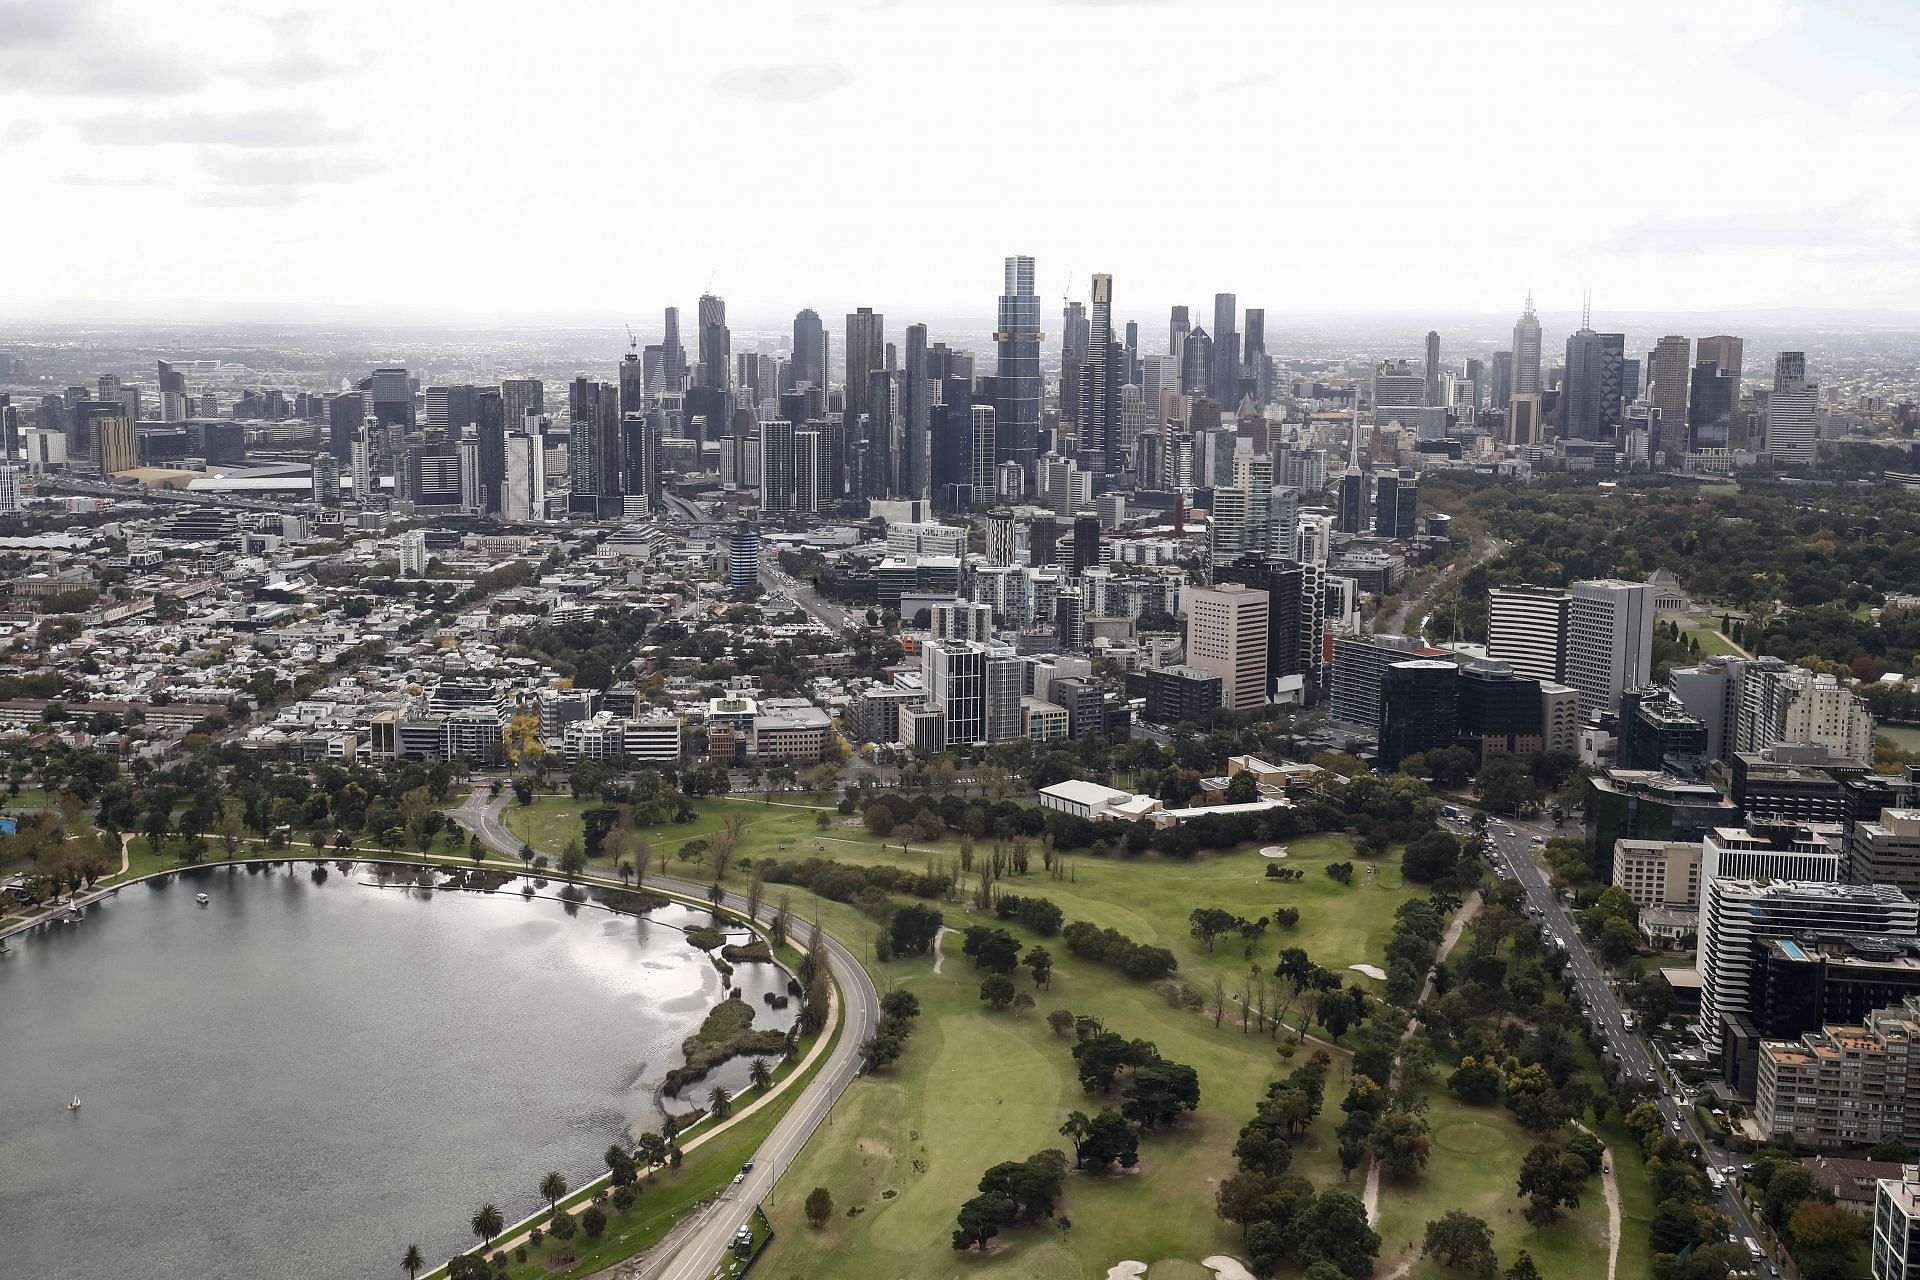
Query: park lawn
[[1475, 1165], [548, 823], [1904, 737], [977, 1087], [29, 798], [1712, 643]]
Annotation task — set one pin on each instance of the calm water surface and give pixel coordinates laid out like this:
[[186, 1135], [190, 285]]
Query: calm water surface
[[300, 1079]]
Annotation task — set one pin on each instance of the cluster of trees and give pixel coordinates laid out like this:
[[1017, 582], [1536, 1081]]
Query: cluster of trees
[[1011, 1192], [1419, 922], [56, 863], [844, 882], [1209, 923], [1116, 950], [910, 931], [1038, 914], [998, 952], [1822, 1234], [1553, 1175], [1685, 1222], [1157, 1089], [898, 1009], [1612, 925]]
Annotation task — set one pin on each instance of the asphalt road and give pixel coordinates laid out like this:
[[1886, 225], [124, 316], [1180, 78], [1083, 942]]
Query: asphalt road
[[777, 582], [700, 1250], [1511, 856]]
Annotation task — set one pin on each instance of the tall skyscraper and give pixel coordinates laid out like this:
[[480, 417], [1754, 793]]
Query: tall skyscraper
[[1017, 341], [1710, 402], [1101, 378], [778, 466], [633, 386], [716, 343], [1196, 362], [1227, 635], [1668, 366], [1074, 337], [1501, 375], [1226, 350], [391, 391], [809, 349], [490, 447], [1178, 325], [1726, 352], [1609, 641], [1792, 410], [916, 403], [1590, 396], [866, 354], [1526, 351], [1527, 630], [520, 397], [673, 357], [1432, 389]]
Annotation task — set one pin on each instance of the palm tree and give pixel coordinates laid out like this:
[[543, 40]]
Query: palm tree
[[487, 1224], [761, 1073], [412, 1261], [720, 1102], [552, 1187]]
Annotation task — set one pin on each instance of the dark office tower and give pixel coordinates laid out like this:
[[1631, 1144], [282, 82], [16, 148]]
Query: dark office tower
[[1351, 514], [1286, 584], [1433, 368], [640, 436], [1133, 352], [1419, 708], [1016, 340], [1710, 403], [703, 411], [1395, 500], [716, 343], [1476, 373], [1526, 352], [673, 356], [1075, 334], [777, 466], [916, 406], [1086, 541], [1255, 345], [172, 382], [1043, 541], [1101, 377], [1501, 396], [1790, 371], [1590, 406], [520, 397], [883, 449], [345, 413], [490, 448], [1178, 324], [1226, 349], [391, 393], [809, 349], [866, 355], [633, 382], [1196, 363]]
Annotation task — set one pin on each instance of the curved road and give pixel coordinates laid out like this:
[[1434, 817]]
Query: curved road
[[700, 1249]]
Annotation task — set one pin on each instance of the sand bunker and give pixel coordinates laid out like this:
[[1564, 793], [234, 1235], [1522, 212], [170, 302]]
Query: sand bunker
[[1274, 851], [1373, 971], [1126, 1270], [1225, 1268]]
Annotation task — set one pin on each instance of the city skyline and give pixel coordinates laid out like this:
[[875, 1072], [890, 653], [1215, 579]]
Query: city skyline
[[306, 167]]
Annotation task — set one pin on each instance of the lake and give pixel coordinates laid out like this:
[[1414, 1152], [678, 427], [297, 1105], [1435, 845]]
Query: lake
[[301, 1078]]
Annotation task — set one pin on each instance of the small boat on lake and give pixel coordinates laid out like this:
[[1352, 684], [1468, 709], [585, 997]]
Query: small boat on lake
[[75, 1104], [202, 899]]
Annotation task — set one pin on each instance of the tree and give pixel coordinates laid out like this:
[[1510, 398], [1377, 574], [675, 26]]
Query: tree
[[980, 1220], [1242, 1199], [1789, 1185], [1159, 1092], [1208, 923], [1110, 1140], [997, 990], [1523, 1268], [1333, 1229], [1431, 858], [819, 1207], [1822, 1228], [1040, 961], [593, 1221], [411, 1261], [552, 1187], [992, 949], [572, 860], [760, 1074], [720, 1102], [1061, 1020], [1400, 1144], [1462, 1241], [1551, 1176], [1476, 1080], [487, 1224]]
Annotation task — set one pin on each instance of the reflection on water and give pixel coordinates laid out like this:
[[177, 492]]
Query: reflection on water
[[308, 1073]]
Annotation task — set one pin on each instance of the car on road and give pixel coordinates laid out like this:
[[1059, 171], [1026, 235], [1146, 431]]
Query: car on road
[[739, 1178]]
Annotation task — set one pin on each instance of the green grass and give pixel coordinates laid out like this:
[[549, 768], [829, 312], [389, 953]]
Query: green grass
[[1904, 737], [548, 823], [1712, 643], [29, 798]]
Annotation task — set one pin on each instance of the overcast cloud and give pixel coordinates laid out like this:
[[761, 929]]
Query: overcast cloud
[[491, 161]]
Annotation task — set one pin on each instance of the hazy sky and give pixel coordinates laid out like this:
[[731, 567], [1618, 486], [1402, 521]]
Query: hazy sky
[[561, 159]]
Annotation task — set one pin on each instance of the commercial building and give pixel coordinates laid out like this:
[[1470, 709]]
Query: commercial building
[[1227, 633], [1797, 784], [1663, 879], [790, 729], [1499, 711], [1843, 1086], [1419, 707], [1634, 804], [1887, 851], [1609, 641], [1360, 669], [1657, 732], [1179, 694], [1527, 630]]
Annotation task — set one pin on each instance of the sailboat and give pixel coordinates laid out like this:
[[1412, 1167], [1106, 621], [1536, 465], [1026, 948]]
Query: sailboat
[[75, 1104]]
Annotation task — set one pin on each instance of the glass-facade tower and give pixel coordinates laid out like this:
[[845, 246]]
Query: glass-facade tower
[[1017, 340]]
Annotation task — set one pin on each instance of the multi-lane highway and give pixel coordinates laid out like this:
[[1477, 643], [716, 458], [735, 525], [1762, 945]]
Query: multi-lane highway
[[778, 581], [1511, 843], [699, 1250]]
